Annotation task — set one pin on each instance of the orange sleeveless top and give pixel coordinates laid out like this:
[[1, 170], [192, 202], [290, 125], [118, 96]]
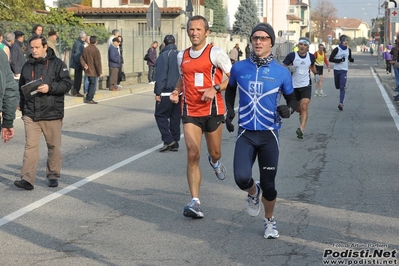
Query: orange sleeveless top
[[199, 73]]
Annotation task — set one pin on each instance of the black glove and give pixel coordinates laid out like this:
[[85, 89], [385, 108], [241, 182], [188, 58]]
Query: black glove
[[284, 111], [351, 60], [343, 59], [229, 119]]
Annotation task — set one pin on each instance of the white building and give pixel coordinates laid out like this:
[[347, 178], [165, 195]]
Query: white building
[[51, 3]]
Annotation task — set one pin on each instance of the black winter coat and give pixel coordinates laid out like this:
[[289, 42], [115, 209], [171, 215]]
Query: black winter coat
[[54, 72]]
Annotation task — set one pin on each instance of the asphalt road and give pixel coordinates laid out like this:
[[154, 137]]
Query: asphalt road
[[120, 201]]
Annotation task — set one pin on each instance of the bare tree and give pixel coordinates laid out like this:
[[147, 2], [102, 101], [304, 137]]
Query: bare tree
[[323, 18]]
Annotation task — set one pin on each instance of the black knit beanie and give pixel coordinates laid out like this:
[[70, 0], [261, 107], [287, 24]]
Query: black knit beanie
[[266, 27]]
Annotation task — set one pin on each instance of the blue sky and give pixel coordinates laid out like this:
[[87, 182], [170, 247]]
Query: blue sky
[[360, 9]]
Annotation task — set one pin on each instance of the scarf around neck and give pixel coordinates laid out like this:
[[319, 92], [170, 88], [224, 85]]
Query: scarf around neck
[[260, 61]]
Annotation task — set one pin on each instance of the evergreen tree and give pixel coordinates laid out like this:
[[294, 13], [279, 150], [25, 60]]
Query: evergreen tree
[[246, 18], [219, 14]]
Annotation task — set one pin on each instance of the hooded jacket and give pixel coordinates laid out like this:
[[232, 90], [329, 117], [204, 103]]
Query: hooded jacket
[[54, 72]]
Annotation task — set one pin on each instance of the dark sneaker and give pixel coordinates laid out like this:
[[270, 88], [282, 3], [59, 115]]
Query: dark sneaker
[[78, 95], [175, 147], [23, 184], [340, 107], [52, 183], [299, 133], [91, 102], [193, 210], [166, 147], [396, 98]]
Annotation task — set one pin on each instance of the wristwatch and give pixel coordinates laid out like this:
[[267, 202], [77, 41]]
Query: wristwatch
[[217, 88]]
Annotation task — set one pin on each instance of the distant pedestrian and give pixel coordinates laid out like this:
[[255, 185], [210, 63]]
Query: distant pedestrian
[[18, 58], [388, 58], [52, 41], [234, 54], [341, 55], [395, 62], [371, 51], [115, 34], [91, 62], [76, 52], [152, 59], [247, 51], [114, 64], [37, 30], [167, 114], [120, 73], [321, 60]]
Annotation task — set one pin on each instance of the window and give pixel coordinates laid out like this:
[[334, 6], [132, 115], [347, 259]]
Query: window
[[136, 1], [259, 4], [144, 31]]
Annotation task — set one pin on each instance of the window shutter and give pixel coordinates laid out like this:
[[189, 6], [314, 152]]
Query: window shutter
[[147, 2], [124, 2]]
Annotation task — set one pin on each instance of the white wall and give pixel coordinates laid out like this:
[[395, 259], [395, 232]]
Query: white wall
[[50, 3]]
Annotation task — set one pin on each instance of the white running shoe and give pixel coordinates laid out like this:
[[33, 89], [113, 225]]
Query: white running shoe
[[220, 170], [270, 228], [253, 203]]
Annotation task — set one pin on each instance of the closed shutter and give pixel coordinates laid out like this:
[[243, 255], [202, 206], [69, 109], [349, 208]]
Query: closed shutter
[[124, 2]]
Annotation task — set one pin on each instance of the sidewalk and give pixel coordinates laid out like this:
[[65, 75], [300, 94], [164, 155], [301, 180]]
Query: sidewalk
[[106, 94], [387, 80]]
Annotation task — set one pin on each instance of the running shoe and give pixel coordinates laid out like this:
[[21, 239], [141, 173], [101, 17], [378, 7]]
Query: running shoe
[[219, 169], [253, 203], [193, 210], [396, 98], [341, 107], [299, 133], [316, 94], [270, 228], [323, 94]]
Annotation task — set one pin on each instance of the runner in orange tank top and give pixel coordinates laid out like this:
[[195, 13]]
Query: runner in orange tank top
[[201, 81]]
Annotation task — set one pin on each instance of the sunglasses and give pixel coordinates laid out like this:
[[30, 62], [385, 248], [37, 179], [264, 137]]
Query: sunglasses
[[260, 38]]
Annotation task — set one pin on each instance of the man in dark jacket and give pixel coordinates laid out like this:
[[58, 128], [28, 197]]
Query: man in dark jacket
[[167, 114], [18, 57], [91, 62], [76, 52], [8, 98], [43, 111], [152, 59], [114, 64]]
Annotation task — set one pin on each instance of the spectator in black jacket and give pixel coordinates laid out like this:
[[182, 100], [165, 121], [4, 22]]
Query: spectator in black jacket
[[43, 112], [152, 59], [18, 57], [76, 52], [167, 114]]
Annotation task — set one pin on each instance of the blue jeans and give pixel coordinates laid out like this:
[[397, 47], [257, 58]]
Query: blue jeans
[[85, 84], [151, 73], [396, 71], [92, 88]]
